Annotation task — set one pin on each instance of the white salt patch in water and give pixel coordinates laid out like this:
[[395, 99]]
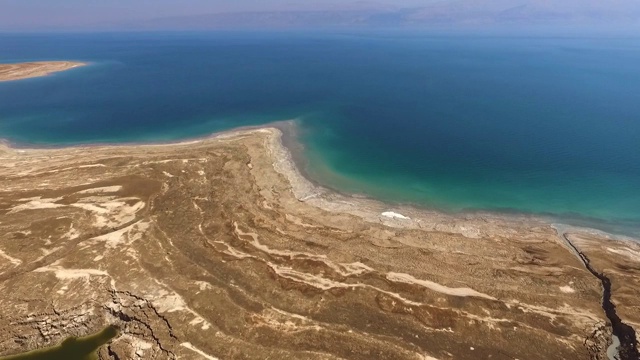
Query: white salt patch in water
[[394, 215]]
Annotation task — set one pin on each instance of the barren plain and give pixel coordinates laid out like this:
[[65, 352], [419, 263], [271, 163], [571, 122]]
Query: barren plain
[[220, 249], [19, 71]]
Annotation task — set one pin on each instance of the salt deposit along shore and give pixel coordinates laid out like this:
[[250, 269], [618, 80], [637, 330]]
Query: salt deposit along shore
[[19, 71], [221, 244]]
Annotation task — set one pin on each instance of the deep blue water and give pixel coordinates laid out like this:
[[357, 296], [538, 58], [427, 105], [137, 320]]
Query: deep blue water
[[545, 125]]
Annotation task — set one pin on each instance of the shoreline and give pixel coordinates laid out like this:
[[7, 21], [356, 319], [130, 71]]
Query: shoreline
[[35, 69], [286, 148], [307, 189], [576, 222], [249, 207]]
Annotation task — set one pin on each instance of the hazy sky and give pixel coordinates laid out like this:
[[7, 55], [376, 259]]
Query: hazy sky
[[24, 13], [71, 14]]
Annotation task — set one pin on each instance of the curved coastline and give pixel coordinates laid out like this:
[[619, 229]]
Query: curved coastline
[[286, 147], [293, 163], [291, 151]]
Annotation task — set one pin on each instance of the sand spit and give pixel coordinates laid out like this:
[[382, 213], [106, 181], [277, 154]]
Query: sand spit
[[19, 71], [237, 255]]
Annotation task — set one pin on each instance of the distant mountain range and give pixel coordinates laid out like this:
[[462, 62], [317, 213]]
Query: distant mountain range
[[435, 13]]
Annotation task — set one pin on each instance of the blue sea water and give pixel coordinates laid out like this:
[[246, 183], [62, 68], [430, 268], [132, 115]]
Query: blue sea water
[[534, 124]]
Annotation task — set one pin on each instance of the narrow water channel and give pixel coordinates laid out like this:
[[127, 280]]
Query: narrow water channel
[[623, 334]]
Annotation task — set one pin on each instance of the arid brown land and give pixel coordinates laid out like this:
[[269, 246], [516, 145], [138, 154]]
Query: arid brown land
[[11, 72], [219, 249]]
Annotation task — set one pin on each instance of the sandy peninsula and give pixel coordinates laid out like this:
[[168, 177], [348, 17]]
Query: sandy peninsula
[[19, 71], [220, 249]]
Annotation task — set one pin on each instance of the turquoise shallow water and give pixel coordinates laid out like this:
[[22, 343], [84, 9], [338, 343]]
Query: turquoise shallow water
[[545, 125]]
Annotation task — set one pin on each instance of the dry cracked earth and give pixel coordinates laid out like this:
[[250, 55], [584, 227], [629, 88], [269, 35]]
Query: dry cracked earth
[[214, 249]]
